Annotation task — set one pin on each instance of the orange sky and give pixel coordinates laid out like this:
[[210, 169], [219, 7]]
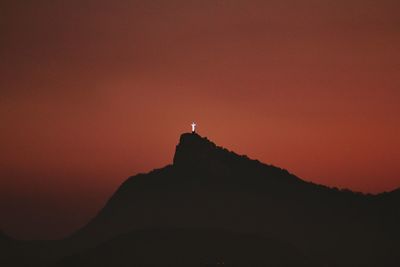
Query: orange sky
[[92, 92]]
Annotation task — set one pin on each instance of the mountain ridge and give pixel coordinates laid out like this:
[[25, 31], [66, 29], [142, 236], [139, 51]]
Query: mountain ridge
[[210, 187], [193, 148]]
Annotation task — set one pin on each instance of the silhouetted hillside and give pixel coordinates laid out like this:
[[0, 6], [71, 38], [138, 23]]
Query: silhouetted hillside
[[188, 246], [7, 247], [251, 203]]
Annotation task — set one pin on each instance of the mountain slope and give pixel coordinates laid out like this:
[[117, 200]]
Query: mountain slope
[[210, 187], [188, 246], [227, 198]]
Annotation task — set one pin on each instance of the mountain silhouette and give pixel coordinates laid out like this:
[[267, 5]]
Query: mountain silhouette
[[188, 246], [213, 205]]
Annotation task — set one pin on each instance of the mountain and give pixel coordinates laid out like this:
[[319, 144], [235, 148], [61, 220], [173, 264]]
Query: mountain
[[188, 247], [240, 209]]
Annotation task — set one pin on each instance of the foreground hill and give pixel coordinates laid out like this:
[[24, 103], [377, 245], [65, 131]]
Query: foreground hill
[[188, 246]]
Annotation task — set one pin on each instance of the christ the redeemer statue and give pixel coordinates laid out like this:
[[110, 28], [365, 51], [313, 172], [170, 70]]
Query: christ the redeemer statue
[[193, 127]]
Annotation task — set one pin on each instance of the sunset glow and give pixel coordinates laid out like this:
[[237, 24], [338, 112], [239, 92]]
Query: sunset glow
[[93, 92]]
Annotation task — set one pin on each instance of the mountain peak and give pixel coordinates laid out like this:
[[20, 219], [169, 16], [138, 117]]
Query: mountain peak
[[190, 137], [195, 151], [192, 148]]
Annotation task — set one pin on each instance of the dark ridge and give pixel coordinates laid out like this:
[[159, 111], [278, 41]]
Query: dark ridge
[[210, 187], [194, 151], [189, 247]]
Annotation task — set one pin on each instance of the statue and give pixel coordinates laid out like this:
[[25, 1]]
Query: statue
[[193, 127]]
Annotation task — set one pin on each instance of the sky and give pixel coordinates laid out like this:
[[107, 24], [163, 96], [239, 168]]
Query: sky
[[92, 92]]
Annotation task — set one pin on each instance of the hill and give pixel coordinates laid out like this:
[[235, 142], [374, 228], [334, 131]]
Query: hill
[[264, 207]]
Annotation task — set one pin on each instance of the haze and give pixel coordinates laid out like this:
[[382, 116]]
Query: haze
[[95, 91]]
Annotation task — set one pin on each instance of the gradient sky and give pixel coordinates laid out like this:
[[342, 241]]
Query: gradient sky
[[92, 92]]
